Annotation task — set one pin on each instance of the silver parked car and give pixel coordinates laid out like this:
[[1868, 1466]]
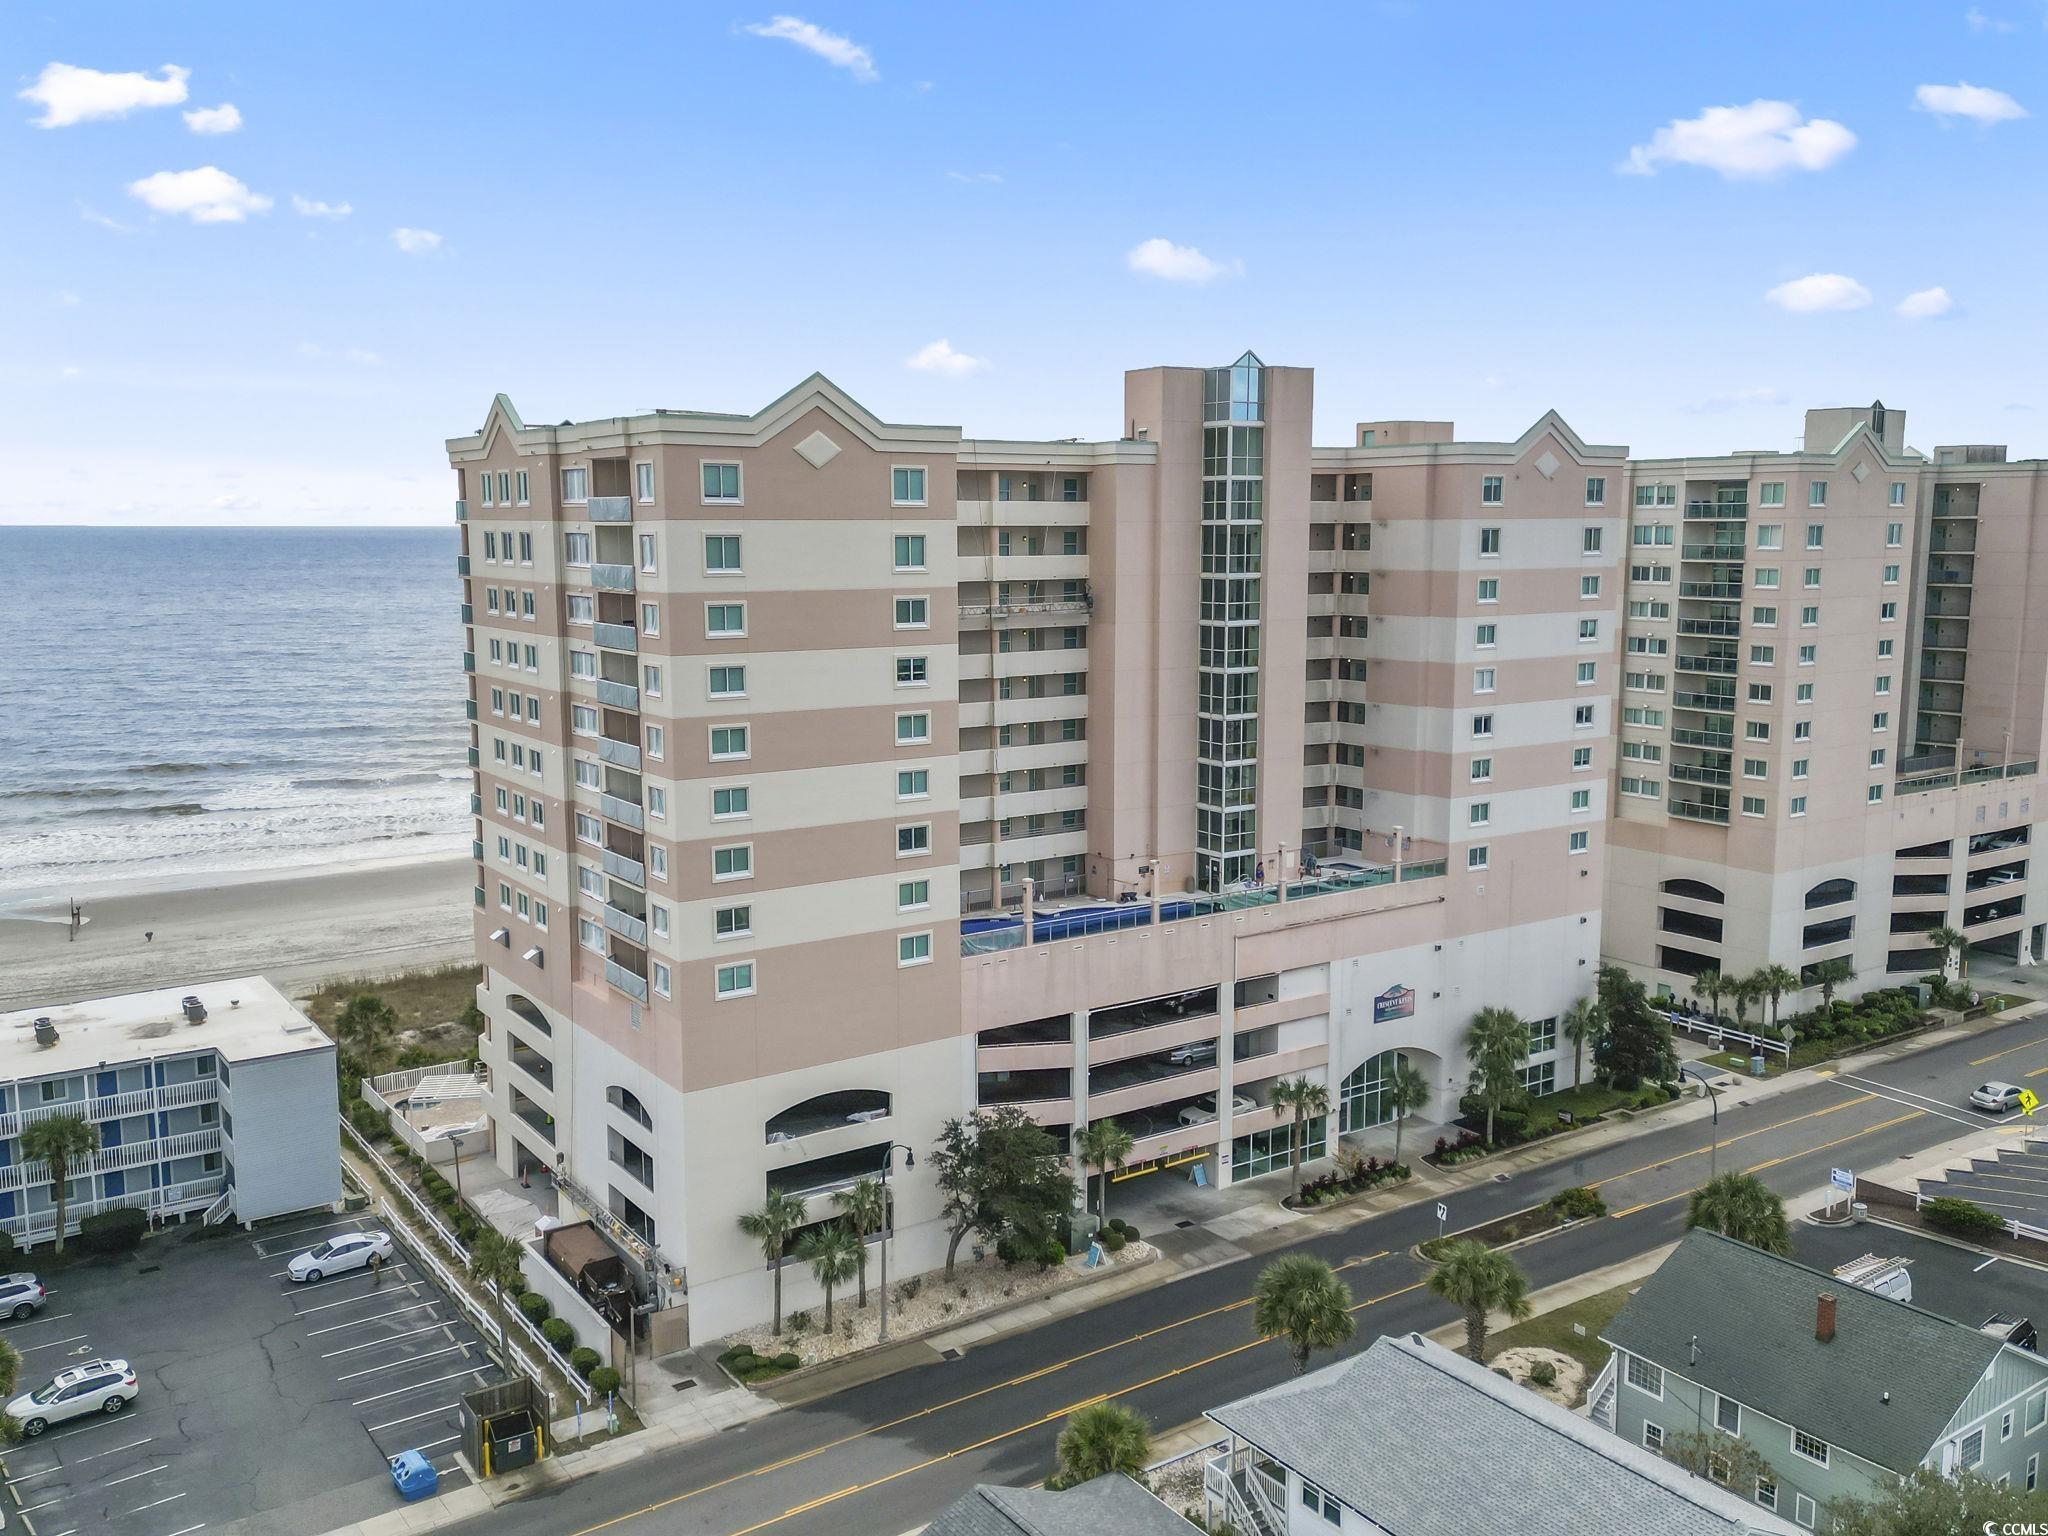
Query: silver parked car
[[1997, 1097], [98, 1386], [20, 1294]]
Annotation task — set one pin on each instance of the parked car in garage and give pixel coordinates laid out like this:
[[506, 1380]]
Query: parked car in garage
[[1203, 1109]]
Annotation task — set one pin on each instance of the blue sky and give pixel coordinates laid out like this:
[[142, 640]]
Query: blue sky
[[1435, 206]]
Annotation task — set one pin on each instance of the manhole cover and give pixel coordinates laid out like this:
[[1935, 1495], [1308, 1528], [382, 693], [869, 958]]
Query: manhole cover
[[1183, 1224], [952, 1354], [685, 1384], [1500, 1178]]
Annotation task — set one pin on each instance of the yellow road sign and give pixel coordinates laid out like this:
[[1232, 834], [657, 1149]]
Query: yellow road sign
[[2029, 1100]]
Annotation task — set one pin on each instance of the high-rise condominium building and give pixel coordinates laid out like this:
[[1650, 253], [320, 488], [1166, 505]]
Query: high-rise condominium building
[[837, 777]]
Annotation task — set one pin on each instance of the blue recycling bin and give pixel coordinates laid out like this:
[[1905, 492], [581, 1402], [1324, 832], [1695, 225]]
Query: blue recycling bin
[[414, 1475]]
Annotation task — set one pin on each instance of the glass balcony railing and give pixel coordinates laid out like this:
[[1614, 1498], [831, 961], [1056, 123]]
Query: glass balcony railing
[[612, 578], [1693, 810], [625, 980], [609, 509]]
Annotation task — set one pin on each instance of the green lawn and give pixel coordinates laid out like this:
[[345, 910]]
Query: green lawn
[[1583, 1102], [1553, 1330], [429, 1004]]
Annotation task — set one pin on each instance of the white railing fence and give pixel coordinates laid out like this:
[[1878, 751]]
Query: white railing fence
[[2013, 1227]]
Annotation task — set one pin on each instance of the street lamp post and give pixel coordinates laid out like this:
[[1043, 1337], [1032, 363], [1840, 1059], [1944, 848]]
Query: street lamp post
[[888, 1160], [456, 1143], [1692, 1069]]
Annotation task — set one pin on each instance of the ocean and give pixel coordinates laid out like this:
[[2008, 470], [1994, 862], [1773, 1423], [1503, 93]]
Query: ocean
[[183, 703]]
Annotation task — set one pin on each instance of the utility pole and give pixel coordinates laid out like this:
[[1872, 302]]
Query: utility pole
[[1692, 1069], [888, 1159]]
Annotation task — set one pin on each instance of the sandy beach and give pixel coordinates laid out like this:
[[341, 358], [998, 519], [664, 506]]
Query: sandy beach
[[296, 930]]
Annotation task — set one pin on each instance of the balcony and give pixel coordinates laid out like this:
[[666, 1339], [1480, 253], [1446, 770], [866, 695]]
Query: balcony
[[1705, 703], [625, 812], [624, 923], [610, 509], [469, 661], [1710, 589], [462, 565], [1726, 665], [1732, 553], [462, 511], [531, 1115], [114, 1106], [1693, 810], [1691, 774], [1719, 741], [632, 871], [533, 1064], [1720, 629], [475, 758], [617, 637], [612, 578], [626, 981], [1716, 511], [618, 695], [469, 709], [620, 754]]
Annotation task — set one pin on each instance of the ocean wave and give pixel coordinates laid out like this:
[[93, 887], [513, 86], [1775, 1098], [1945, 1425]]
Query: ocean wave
[[180, 808], [384, 781], [100, 793], [179, 767]]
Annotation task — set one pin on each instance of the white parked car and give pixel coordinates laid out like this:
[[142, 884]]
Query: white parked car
[[1195, 1053], [98, 1386], [2004, 877], [351, 1250], [20, 1294], [1203, 1110]]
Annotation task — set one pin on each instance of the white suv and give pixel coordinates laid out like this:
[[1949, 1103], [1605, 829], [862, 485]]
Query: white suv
[[98, 1386]]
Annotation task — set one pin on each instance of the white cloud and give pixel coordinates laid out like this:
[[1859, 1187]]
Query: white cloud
[[415, 242], [67, 299], [1977, 21], [1819, 291], [1927, 304], [985, 178], [68, 94], [838, 51], [70, 371], [313, 208], [939, 357], [1172, 263], [208, 195], [94, 216], [225, 118], [1980, 103], [1754, 142]]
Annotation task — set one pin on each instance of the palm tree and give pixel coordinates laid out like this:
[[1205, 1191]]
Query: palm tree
[[1480, 1280], [1303, 1098], [1712, 985], [1102, 1438], [1407, 1090], [1496, 1045], [60, 1142], [866, 1209], [1300, 1299], [1738, 1205], [365, 1023], [1830, 974], [771, 1226], [1104, 1146], [834, 1253], [1742, 991], [1952, 944], [496, 1263], [1584, 1022], [1772, 983]]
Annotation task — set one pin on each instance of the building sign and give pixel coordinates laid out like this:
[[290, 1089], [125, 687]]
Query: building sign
[[1397, 1002]]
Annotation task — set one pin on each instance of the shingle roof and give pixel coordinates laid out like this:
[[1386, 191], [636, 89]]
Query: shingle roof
[[1752, 1317], [1108, 1506], [1425, 1443]]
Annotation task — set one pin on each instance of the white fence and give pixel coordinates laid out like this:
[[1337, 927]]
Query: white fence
[[481, 1314], [388, 1093], [1718, 1035], [2012, 1228]]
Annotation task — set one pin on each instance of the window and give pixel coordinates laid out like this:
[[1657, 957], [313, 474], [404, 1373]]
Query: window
[[1482, 726], [1752, 805], [643, 481], [650, 680], [650, 619], [1489, 589], [721, 482], [1971, 1452], [2033, 1471], [1489, 541], [1767, 578], [1802, 730], [588, 828], [1480, 813], [1589, 629], [1887, 612], [1803, 694], [1803, 1510], [911, 672], [1582, 801], [1589, 541], [657, 862], [2037, 1411], [588, 934], [1482, 679], [1797, 807], [1891, 575], [657, 802], [1812, 1447], [1763, 655], [909, 551], [1763, 616], [648, 546], [1756, 730], [729, 803], [1579, 842], [1799, 767], [576, 548], [727, 682], [1808, 655], [913, 783], [733, 922], [721, 553], [1761, 693], [1588, 672], [659, 973], [914, 840], [575, 485], [907, 486], [1884, 684], [519, 481], [914, 949], [1652, 536], [582, 719], [1485, 636], [1656, 495], [1816, 496], [1482, 770], [913, 728], [735, 980], [729, 741], [657, 740], [1589, 586], [735, 862], [1490, 489], [1812, 578], [1596, 491], [1884, 648], [1582, 758], [1475, 856], [1874, 794], [1881, 720], [1809, 615], [1653, 1436], [1894, 535], [1767, 1493], [1582, 717], [2005, 1425], [1771, 494], [725, 619], [913, 613]]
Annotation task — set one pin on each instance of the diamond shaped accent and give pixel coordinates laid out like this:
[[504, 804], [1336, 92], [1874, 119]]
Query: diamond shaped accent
[[1861, 471], [818, 450], [1547, 465]]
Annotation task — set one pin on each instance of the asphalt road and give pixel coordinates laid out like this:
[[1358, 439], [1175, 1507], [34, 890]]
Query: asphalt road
[[884, 1457]]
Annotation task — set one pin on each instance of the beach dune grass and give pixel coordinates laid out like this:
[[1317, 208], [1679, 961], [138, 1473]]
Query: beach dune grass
[[1553, 1330], [430, 1004]]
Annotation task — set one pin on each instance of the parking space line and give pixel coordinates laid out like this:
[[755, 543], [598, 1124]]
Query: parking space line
[[393, 1365], [321, 1284], [158, 1504], [393, 1339], [190, 1529], [410, 1417], [145, 1472], [51, 1343], [260, 1244], [401, 1391], [432, 1444], [409, 1286], [30, 1322], [374, 1317]]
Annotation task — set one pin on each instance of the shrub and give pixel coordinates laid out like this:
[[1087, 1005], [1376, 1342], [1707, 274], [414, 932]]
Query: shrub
[[536, 1307], [583, 1360], [1961, 1218], [559, 1332], [370, 1123], [908, 1290], [115, 1231], [732, 1357], [1130, 1232], [787, 1361], [1111, 1239], [1051, 1255], [1577, 1203], [6, 1249], [1543, 1374], [799, 1321], [604, 1380]]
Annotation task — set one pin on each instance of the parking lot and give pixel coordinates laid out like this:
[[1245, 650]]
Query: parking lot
[[264, 1404], [2010, 1181]]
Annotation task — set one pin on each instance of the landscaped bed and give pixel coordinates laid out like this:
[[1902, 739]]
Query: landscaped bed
[[1562, 1208], [1551, 1115], [1347, 1181], [1572, 1331]]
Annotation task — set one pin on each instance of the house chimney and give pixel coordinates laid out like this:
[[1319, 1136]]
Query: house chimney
[[1824, 1318]]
